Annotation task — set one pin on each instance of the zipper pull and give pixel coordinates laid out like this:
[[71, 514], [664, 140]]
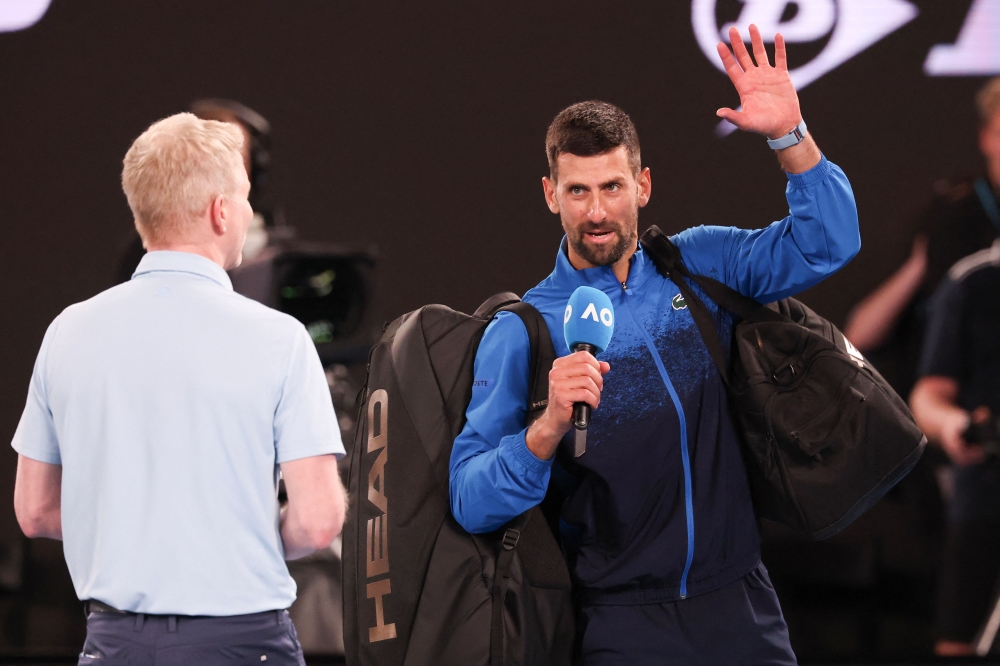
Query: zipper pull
[[624, 286]]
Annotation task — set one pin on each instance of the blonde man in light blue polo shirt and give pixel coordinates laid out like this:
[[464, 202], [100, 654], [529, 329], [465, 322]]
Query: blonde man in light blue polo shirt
[[158, 417]]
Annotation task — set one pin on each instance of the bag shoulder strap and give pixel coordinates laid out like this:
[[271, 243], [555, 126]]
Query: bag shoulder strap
[[667, 258], [668, 261], [501, 578], [495, 303], [541, 350], [542, 354]]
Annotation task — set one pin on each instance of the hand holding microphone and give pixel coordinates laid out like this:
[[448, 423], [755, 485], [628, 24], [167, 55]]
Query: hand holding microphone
[[575, 381]]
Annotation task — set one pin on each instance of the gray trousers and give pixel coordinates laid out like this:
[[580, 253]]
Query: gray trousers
[[120, 639]]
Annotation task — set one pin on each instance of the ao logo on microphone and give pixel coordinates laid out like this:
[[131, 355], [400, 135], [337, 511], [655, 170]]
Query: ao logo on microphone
[[851, 26], [590, 312], [589, 320]]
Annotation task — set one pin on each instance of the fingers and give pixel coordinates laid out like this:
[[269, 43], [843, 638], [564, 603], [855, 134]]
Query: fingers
[[759, 52], [580, 364], [733, 68], [576, 378], [583, 390], [567, 382], [580, 357], [735, 117], [565, 391], [780, 57], [740, 49]]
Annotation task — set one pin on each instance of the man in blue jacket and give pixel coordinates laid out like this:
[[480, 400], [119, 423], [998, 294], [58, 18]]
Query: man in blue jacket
[[659, 526]]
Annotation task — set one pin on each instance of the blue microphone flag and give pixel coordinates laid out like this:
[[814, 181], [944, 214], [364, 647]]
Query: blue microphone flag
[[589, 318]]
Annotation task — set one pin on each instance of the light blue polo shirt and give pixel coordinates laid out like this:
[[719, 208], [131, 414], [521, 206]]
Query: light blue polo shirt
[[169, 401]]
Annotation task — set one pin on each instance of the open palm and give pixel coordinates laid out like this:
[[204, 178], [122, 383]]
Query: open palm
[[770, 104]]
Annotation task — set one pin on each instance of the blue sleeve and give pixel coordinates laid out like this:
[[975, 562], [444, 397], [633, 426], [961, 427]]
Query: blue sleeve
[[818, 238], [494, 477], [35, 437], [942, 355], [305, 424]]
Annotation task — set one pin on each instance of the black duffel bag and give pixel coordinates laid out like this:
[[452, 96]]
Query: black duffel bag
[[825, 435]]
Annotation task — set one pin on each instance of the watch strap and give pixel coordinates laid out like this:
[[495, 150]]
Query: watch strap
[[792, 138]]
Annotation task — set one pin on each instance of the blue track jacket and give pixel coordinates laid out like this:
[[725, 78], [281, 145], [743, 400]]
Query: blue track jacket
[[659, 507]]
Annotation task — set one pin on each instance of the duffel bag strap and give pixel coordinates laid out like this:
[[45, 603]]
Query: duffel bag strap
[[667, 259]]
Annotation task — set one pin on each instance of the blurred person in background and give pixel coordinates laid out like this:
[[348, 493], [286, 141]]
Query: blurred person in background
[[959, 387], [888, 324], [159, 414]]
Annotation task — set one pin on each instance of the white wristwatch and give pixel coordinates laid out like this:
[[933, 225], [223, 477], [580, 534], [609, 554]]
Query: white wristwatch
[[792, 138]]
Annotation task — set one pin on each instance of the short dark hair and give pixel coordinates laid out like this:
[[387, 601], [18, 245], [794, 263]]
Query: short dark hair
[[591, 128]]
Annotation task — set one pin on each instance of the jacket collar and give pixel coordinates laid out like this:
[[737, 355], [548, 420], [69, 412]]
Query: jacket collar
[[601, 277], [183, 262]]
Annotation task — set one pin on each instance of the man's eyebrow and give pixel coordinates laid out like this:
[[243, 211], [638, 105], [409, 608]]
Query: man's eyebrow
[[617, 180]]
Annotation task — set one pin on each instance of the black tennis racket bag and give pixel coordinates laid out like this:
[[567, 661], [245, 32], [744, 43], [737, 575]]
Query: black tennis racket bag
[[825, 435], [418, 589]]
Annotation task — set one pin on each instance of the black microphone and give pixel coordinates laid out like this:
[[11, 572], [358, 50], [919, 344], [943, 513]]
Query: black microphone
[[581, 410]]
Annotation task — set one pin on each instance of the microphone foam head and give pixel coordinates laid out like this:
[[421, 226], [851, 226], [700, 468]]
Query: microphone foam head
[[589, 318]]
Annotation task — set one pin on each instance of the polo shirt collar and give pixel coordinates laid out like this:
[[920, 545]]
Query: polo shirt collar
[[183, 262]]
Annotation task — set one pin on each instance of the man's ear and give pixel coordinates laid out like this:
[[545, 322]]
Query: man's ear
[[549, 187], [645, 184], [219, 215]]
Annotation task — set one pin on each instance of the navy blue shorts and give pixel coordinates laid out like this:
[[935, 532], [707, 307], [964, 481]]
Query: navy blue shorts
[[117, 639], [739, 624]]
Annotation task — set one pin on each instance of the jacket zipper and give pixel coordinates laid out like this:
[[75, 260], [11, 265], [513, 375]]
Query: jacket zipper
[[685, 458]]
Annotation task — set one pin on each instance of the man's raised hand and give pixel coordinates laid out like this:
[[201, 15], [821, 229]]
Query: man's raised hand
[[770, 104]]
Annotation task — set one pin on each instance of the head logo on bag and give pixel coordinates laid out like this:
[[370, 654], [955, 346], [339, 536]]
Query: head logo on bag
[[377, 532]]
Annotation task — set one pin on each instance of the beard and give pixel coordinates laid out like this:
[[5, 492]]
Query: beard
[[606, 254]]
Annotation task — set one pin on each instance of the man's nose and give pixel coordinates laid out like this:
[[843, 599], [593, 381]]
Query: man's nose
[[596, 211]]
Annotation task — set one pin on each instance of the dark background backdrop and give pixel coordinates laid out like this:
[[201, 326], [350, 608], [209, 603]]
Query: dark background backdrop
[[419, 127]]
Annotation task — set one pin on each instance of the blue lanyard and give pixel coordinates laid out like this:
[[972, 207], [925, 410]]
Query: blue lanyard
[[988, 201]]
